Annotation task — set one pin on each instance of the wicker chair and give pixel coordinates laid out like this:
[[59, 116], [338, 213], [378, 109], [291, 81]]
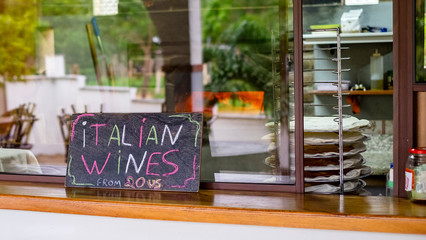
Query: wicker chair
[[16, 126]]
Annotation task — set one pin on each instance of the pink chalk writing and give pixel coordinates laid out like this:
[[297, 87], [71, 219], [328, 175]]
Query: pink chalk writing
[[170, 163], [150, 163], [76, 121], [97, 127], [130, 181], [191, 178], [138, 184], [95, 165], [140, 136]]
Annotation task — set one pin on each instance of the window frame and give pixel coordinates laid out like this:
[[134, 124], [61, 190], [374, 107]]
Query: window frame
[[298, 186], [405, 89]]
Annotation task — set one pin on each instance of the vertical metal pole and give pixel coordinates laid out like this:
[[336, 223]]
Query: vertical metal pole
[[340, 106]]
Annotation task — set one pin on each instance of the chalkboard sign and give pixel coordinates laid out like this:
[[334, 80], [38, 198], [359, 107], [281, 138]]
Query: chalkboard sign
[[141, 151]]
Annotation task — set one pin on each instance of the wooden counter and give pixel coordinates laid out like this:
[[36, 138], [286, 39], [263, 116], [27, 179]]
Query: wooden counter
[[373, 214]]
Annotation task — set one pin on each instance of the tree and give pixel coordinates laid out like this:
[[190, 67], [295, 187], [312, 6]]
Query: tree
[[240, 48], [130, 26], [134, 25], [17, 49]]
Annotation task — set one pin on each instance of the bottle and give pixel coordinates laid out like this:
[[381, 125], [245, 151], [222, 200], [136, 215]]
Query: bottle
[[389, 181], [415, 175], [376, 71], [390, 80]]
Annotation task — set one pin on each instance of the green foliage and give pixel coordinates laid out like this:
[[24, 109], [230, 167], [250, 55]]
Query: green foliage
[[17, 38], [130, 27], [420, 36], [240, 53], [219, 14], [126, 82], [65, 7], [132, 82], [215, 17], [71, 40]]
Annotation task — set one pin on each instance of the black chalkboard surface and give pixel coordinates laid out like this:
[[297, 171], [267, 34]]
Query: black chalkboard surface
[[141, 151]]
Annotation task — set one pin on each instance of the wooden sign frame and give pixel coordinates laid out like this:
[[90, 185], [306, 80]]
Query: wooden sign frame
[[139, 151]]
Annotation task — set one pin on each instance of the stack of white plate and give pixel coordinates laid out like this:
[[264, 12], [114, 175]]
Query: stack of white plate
[[271, 160], [321, 154]]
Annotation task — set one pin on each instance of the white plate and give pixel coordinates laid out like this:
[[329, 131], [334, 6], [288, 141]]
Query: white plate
[[327, 124], [350, 186], [351, 175], [352, 162], [328, 138], [357, 148]]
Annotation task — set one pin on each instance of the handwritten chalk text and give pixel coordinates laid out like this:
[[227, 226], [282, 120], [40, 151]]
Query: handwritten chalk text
[[140, 182], [149, 151], [120, 137]]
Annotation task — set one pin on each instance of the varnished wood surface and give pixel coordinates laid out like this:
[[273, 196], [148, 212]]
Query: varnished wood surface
[[375, 214]]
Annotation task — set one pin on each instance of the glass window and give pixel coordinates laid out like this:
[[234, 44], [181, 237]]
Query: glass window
[[227, 59], [420, 42], [366, 74], [420, 97]]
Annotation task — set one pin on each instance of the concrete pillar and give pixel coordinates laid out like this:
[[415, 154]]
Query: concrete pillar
[[196, 54], [45, 46]]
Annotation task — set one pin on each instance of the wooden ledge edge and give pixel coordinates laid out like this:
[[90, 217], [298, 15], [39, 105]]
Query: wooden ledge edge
[[209, 214]]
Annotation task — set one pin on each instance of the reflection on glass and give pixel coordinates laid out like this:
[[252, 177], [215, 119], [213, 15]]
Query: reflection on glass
[[19, 161], [242, 56], [223, 58]]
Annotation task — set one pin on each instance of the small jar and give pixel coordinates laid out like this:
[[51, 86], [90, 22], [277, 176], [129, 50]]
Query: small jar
[[415, 175], [389, 181]]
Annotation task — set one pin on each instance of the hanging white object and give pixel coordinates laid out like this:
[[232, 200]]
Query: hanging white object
[[55, 66], [361, 2], [105, 7]]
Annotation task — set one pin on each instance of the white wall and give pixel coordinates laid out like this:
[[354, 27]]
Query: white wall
[[39, 225], [52, 94]]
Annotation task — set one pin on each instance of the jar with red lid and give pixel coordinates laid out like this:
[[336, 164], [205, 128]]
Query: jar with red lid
[[415, 174]]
